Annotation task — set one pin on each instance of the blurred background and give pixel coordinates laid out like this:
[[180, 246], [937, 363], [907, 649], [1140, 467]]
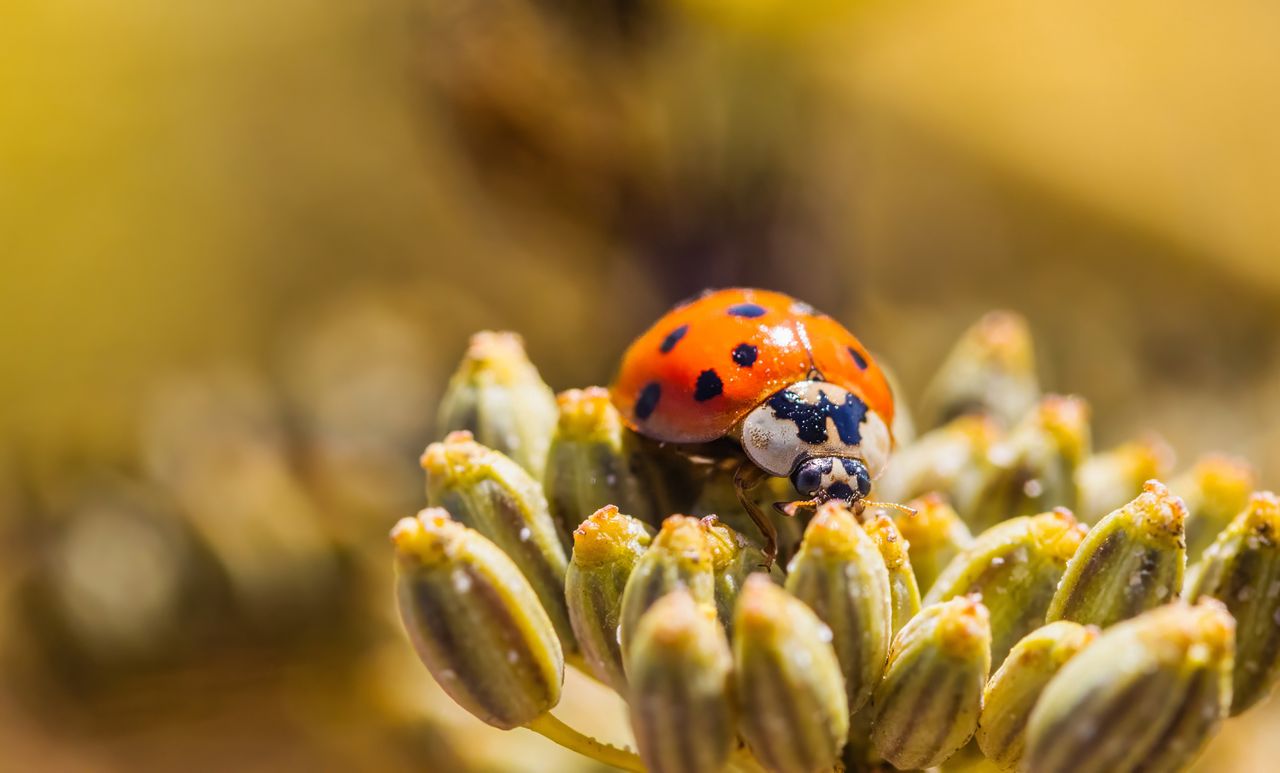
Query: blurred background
[[243, 245]]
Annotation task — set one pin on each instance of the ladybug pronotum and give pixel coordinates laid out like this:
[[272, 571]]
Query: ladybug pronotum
[[797, 391]]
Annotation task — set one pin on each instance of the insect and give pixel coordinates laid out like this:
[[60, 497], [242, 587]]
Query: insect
[[798, 393]]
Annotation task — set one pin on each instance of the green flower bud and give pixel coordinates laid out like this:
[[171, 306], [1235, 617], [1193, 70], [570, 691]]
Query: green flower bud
[[487, 491], [1034, 469], [606, 548], [475, 621], [589, 463], [733, 559], [1146, 695], [1015, 568], [1111, 478], [990, 370], [839, 573], [1242, 569], [950, 460], [1131, 561], [904, 593], [795, 715], [679, 665], [1215, 490], [1015, 687], [927, 705], [679, 557], [935, 535], [498, 396]]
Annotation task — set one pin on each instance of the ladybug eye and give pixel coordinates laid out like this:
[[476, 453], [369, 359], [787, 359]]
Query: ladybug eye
[[808, 476], [864, 481]]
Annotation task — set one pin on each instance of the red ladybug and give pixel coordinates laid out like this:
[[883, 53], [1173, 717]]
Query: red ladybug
[[796, 390]]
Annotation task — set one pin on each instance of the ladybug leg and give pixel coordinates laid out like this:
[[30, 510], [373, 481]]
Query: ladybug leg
[[746, 478]]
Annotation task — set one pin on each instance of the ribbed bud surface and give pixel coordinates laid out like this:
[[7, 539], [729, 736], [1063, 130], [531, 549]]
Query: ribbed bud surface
[[475, 621], [1131, 561], [606, 548], [1147, 695], [489, 492], [927, 705], [788, 682], [679, 666]]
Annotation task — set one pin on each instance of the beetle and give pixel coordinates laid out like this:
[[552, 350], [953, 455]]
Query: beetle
[[796, 391]]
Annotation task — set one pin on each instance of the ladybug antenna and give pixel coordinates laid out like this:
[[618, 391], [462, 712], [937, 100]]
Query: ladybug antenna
[[790, 509], [890, 505]]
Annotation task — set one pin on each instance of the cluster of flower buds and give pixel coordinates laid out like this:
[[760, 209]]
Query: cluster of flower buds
[[1035, 605]]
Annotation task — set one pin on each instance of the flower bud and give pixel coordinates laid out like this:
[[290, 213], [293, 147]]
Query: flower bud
[[1017, 684], [498, 396], [1109, 479], [949, 460], [1034, 469], [1242, 569], [935, 535], [839, 573], [794, 712], [679, 557], [475, 621], [487, 491], [733, 559], [990, 370], [589, 463], [1015, 568], [1215, 490], [904, 593], [1131, 561], [606, 548], [1146, 695], [927, 705], [679, 666]]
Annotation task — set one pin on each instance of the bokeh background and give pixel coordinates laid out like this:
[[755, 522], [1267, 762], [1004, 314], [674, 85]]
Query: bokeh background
[[243, 245]]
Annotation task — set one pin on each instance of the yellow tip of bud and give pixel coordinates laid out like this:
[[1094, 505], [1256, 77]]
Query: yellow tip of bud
[[832, 531], [686, 537], [500, 353], [426, 538], [1004, 337], [605, 535], [1159, 512], [963, 625], [1057, 533], [1261, 516], [931, 522], [1224, 477], [456, 452], [892, 546], [586, 413], [1066, 419]]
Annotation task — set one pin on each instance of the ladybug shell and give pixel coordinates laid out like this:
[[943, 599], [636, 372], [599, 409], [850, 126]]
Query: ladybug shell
[[707, 363]]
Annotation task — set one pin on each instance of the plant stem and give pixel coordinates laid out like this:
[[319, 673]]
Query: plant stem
[[552, 728]]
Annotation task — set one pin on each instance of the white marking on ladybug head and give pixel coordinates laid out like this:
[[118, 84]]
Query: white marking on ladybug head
[[813, 419]]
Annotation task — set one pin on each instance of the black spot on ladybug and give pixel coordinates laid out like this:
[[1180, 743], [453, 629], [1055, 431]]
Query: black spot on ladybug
[[745, 355], [709, 385], [648, 400], [811, 418], [858, 359], [746, 310], [841, 490], [850, 466], [673, 338]]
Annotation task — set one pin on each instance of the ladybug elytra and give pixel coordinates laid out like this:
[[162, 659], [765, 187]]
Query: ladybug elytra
[[797, 391]]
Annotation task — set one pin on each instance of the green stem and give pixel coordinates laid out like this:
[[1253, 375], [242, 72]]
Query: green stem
[[552, 728]]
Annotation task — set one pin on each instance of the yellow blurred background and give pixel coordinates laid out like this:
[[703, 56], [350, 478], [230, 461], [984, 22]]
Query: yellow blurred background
[[244, 244]]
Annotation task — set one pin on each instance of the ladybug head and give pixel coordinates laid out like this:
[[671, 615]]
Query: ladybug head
[[822, 478]]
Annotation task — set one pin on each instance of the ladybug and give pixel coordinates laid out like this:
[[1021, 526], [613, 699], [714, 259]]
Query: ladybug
[[791, 386]]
